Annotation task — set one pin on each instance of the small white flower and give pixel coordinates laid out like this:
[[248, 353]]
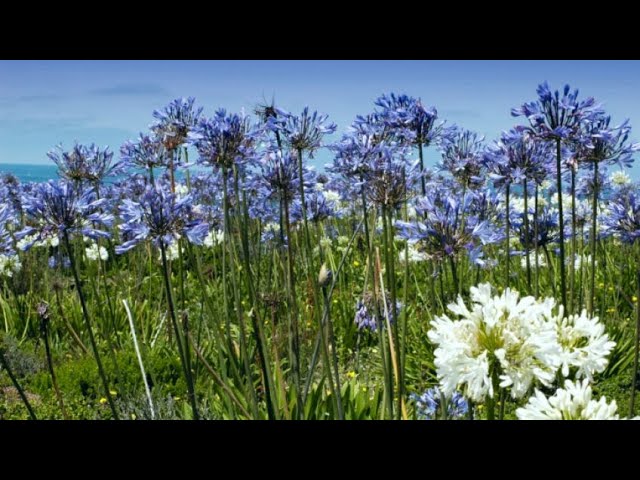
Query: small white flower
[[325, 242], [542, 260], [9, 264], [94, 252], [574, 402], [332, 196], [620, 178], [181, 190], [214, 237], [343, 240], [172, 252], [584, 344], [414, 254], [546, 185]]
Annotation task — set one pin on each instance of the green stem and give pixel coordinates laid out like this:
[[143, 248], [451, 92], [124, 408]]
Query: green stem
[[176, 331], [563, 281], [535, 241], [636, 353], [526, 235], [85, 316], [574, 249], [47, 348], [14, 380], [593, 240], [508, 228]]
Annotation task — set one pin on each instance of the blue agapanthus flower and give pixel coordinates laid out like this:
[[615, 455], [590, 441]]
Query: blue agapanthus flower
[[56, 209], [148, 152], [278, 177], [318, 208], [555, 116], [462, 156], [587, 184], [409, 120], [72, 165], [517, 157], [546, 224], [302, 132], [174, 122], [447, 228], [607, 144], [5, 236], [389, 179], [85, 163], [224, 140], [429, 405], [623, 218], [11, 192], [367, 318], [161, 217], [354, 155], [59, 260]]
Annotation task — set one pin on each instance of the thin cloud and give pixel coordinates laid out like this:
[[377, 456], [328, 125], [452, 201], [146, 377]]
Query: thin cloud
[[127, 89]]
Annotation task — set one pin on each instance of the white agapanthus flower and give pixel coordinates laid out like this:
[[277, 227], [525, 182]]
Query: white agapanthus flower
[[214, 237], [325, 242], [332, 196], [94, 252], [573, 402], [9, 264], [578, 259], [516, 204], [171, 252], [52, 241], [584, 345], [181, 190], [620, 178], [546, 185], [542, 260], [414, 254], [507, 335], [566, 201]]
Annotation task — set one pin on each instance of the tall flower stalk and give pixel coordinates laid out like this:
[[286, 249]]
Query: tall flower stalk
[[172, 125], [558, 119], [607, 145], [60, 210], [163, 219]]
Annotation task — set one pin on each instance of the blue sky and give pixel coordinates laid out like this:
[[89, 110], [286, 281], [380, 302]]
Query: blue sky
[[44, 103]]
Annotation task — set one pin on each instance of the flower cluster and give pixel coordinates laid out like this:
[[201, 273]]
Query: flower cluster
[[573, 402], [510, 342], [55, 210], [174, 122], [555, 116], [160, 217], [224, 140], [83, 163], [371, 311], [433, 403]]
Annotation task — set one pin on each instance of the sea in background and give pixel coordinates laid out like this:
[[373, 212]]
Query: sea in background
[[42, 173], [30, 173]]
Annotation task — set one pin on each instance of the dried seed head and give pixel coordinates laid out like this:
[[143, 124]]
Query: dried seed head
[[325, 276]]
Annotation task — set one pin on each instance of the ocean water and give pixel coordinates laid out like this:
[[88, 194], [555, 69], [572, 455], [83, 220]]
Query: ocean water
[[42, 173], [30, 173]]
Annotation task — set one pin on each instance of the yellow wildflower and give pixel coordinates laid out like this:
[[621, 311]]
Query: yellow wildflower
[[356, 263]]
